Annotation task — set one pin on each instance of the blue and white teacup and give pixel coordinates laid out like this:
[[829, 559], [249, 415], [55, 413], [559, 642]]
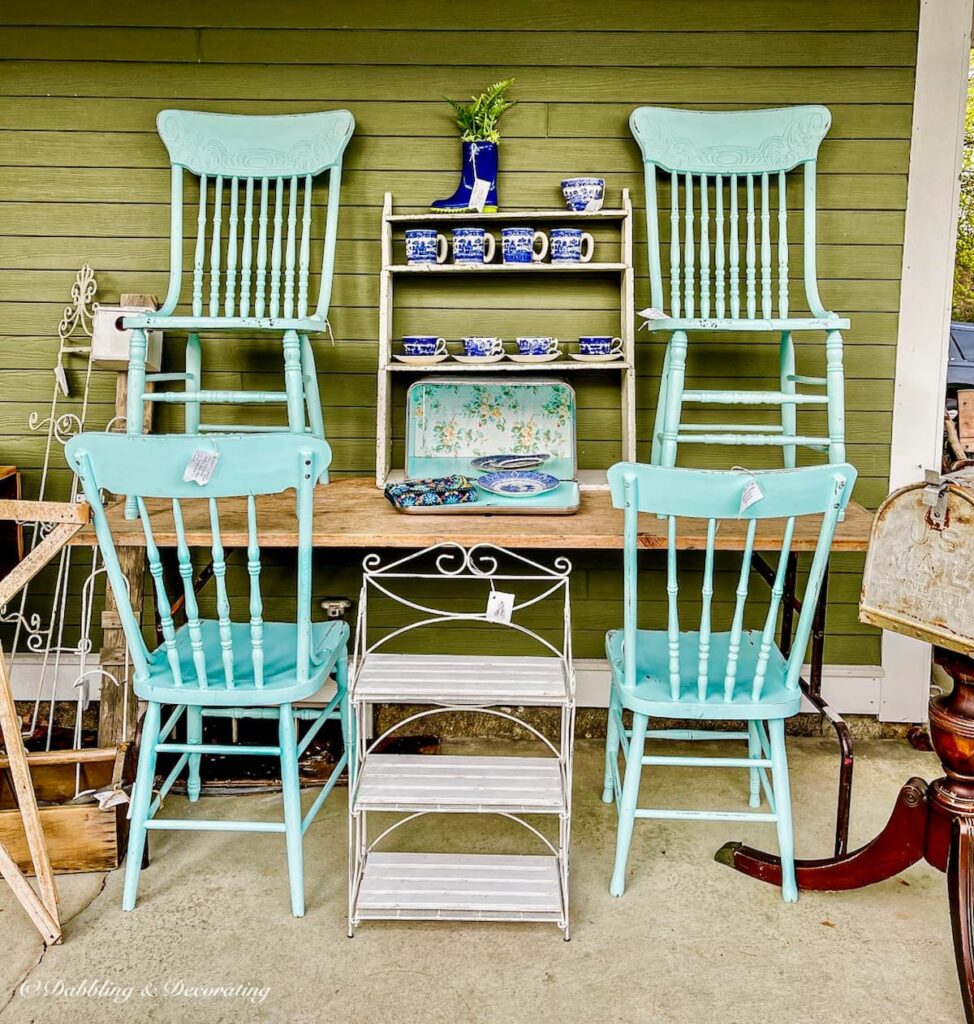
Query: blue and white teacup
[[599, 345], [424, 245], [473, 245], [584, 195], [537, 346], [423, 345], [571, 245], [481, 347], [518, 245]]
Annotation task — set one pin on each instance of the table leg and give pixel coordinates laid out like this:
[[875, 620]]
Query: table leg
[[960, 891], [117, 707], [900, 844]]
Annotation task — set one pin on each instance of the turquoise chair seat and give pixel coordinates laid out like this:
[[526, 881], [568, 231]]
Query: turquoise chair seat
[[280, 645], [157, 322], [652, 695]]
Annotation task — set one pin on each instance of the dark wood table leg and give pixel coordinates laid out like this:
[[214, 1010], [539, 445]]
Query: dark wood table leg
[[900, 844], [960, 891]]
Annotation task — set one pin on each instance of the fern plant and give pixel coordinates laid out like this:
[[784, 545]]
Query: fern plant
[[478, 119]]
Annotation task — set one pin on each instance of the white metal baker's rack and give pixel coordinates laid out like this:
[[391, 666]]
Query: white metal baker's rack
[[397, 885]]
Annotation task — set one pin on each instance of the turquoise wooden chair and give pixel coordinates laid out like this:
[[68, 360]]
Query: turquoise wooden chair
[[221, 668], [729, 261], [252, 254], [737, 674]]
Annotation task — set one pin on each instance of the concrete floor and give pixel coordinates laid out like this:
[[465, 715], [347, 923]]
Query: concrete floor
[[691, 941]]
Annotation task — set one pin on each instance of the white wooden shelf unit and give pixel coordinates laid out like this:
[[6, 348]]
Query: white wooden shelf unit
[[459, 886], [388, 369]]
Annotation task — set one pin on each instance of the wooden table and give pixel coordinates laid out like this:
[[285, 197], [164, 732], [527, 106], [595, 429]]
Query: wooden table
[[353, 513]]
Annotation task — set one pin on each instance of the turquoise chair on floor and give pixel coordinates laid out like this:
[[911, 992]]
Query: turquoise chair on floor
[[253, 231], [220, 668], [725, 223], [707, 675]]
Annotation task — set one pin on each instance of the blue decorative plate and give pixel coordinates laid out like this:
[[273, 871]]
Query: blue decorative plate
[[518, 483], [510, 461]]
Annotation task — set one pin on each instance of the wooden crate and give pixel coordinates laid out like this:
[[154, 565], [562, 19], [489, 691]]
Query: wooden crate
[[965, 419], [80, 837]]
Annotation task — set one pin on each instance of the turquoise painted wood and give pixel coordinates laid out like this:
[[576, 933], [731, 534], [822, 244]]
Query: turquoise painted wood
[[727, 171], [221, 667], [252, 256], [710, 674]]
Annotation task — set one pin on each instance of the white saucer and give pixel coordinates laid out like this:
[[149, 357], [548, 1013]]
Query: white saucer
[[595, 359], [422, 360], [481, 359], [546, 358]]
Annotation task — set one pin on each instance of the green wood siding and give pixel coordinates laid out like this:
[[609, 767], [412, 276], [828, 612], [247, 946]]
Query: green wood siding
[[83, 177]]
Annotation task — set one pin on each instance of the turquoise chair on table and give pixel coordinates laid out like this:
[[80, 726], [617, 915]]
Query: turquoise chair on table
[[220, 668], [252, 225], [725, 223], [738, 674]]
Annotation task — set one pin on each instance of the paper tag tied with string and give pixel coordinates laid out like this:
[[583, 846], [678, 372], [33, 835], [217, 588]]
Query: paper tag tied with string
[[62, 379], [200, 467], [751, 495], [500, 607], [478, 195]]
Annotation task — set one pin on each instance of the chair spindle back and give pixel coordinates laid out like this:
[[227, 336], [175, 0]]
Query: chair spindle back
[[715, 496], [153, 467], [256, 173], [728, 194]]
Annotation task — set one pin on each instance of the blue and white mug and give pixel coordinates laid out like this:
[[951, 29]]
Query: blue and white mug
[[537, 346], [423, 345], [571, 245], [518, 245], [481, 347], [599, 345], [473, 245], [584, 195], [424, 245]]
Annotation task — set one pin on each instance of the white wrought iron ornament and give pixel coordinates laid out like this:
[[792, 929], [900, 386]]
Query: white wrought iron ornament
[[73, 573]]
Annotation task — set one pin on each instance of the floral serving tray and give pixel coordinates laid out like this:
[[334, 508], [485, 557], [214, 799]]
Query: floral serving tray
[[518, 483]]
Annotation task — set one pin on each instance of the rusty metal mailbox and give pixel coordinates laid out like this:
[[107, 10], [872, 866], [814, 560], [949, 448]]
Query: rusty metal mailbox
[[920, 565]]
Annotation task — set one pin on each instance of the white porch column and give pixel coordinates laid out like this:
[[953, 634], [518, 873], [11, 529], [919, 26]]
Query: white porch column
[[943, 58]]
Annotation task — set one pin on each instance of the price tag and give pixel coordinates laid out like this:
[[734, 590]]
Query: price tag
[[752, 494], [200, 466], [62, 379], [500, 607], [478, 195]]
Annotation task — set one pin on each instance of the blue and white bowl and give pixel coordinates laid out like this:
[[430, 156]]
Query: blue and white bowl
[[424, 245], [584, 195], [423, 345], [473, 245], [518, 483]]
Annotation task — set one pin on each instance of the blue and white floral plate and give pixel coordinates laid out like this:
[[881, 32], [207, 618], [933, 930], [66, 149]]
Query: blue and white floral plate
[[506, 461], [521, 483]]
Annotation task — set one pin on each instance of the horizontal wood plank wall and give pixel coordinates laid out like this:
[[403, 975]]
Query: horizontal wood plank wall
[[83, 177]]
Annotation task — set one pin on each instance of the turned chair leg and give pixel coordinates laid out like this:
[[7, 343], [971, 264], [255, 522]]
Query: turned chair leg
[[194, 734], [630, 796], [675, 376], [611, 747], [311, 396], [835, 389], [782, 804], [291, 792], [754, 751], [657, 447], [789, 411], [141, 799], [294, 382], [194, 371]]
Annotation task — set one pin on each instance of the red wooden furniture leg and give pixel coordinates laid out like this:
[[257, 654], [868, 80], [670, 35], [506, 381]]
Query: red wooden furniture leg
[[960, 890], [900, 844]]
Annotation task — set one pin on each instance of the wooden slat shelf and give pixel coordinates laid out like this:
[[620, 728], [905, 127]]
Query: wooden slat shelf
[[507, 216], [505, 268]]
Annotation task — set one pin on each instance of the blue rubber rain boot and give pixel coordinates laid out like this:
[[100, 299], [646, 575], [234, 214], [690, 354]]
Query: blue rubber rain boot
[[479, 161]]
